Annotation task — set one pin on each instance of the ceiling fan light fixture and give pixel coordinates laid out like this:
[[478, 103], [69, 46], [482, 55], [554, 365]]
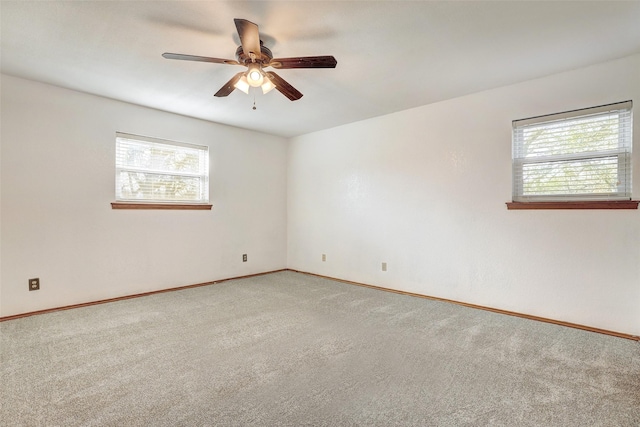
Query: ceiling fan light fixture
[[243, 84], [254, 75], [267, 86]]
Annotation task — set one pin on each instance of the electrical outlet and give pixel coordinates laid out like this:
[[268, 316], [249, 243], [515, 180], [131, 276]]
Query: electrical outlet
[[34, 284], [384, 266], [244, 257], [324, 257]]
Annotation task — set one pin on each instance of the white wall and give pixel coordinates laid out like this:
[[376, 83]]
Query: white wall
[[57, 178], [425, 189]]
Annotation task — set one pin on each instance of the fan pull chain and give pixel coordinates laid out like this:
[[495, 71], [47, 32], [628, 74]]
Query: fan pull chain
[[254, 101]]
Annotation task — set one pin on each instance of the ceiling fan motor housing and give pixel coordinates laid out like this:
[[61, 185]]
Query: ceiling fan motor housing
[[265, 55]]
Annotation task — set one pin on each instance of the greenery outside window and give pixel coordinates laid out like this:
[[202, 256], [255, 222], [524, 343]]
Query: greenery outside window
[[582, 155], [155, 171]]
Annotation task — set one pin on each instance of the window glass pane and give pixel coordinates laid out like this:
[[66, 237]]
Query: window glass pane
[[571, 177], [159, 157], [579, 135], [150, 186]]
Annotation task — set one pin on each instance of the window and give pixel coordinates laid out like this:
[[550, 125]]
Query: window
[[582, 155], [158, 172]]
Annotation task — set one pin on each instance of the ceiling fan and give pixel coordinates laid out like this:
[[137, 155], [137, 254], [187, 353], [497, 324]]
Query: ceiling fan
[[255, 56]]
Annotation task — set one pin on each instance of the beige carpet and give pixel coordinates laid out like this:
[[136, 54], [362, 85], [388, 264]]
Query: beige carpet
[[292, 349]]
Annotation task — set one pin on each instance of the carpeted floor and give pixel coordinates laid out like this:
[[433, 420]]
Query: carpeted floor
[[295, 350]]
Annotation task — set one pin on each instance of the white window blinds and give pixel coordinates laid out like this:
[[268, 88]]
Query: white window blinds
[[577, 155], [155, 170]]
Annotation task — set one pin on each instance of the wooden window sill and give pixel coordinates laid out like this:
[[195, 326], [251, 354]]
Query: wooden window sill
[[617, 204], [164, 206]]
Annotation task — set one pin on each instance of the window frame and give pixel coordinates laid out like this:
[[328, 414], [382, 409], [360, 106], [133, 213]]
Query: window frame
[[618, 200], [164, 204]]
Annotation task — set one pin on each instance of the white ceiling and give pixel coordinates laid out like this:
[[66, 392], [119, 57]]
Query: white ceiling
[[391, 55]]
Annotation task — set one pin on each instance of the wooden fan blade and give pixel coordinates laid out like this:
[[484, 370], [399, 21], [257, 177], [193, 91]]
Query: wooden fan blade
[[249, 37], [304, 62], [283, 87], [199, 58], [229, 86]]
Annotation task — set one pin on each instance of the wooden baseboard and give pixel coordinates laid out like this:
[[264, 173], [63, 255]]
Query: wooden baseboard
[[481, 307], [144, 294], [380, 288]]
